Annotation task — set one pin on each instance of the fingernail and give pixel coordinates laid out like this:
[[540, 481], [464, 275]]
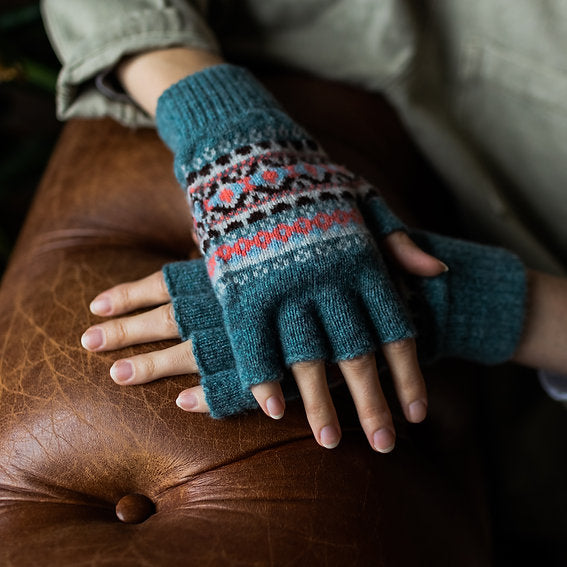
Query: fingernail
[[275, 407], [101, 306], [445, 267], [417, 411], [383, 440], [92, 339], [122, 371], [186, 401], [329, 437]]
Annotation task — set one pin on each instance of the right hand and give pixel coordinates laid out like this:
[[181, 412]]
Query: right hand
[[361, 374]]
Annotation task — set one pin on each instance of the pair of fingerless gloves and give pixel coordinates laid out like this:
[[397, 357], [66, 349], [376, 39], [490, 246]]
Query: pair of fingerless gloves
[[291, 269]]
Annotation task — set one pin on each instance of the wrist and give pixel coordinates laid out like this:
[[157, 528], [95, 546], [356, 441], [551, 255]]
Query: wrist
[[216, 111], [145, 76], [544, 336]]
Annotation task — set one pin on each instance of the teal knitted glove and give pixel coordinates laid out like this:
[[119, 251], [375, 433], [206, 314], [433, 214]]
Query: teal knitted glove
[[475, 312], [294, 268]]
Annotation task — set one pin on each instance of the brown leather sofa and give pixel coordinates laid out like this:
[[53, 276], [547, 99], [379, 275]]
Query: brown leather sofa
[[95, 474]]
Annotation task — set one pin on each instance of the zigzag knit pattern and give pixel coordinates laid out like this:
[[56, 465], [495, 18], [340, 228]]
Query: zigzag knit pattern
[[291, 261], [475, 311], [291, 181]]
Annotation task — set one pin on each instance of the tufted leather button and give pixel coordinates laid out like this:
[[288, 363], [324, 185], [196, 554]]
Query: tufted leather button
[[134, 508]]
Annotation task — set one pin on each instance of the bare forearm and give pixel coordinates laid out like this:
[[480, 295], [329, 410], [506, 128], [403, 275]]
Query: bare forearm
[[544, 341], [146, 76]]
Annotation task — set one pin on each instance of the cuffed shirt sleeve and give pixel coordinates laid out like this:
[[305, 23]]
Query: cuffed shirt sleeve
[[92, 36]]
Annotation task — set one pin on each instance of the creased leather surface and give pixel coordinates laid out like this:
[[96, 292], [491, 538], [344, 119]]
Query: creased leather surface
[[244, 491]]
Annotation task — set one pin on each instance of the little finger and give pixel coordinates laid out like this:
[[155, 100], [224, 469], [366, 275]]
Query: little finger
[[193, 400]]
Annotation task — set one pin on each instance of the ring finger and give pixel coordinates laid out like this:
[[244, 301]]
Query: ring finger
[[401, 357]]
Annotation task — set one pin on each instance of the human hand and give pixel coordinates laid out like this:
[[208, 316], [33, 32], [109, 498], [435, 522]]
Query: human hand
[[160, 324], [475, 311]]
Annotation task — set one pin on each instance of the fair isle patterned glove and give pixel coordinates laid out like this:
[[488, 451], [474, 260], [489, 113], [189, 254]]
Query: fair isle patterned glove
[[294, 268], [475, 312]]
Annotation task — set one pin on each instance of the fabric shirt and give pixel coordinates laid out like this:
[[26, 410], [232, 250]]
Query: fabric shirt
[[481, 86]]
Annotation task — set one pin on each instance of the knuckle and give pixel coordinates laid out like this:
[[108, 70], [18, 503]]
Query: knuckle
[[146, 367], [162, 286], [123, 295], [307, 365], [169, 316], [317, 410], [360, 364], [373, 415], [119, 331], [412, 381], [411, 387], [186, 356], [400, 348]]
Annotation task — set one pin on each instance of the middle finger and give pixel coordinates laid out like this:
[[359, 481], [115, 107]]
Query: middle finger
[[361, 376], [319, 408]]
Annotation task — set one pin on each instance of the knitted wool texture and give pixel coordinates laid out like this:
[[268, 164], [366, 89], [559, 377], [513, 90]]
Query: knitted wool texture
[[292, 264], [475, 311]]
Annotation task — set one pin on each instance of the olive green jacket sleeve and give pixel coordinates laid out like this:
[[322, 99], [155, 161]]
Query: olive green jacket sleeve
[[91, 36]]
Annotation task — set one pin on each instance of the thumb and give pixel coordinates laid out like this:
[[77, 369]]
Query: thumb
[[411, 257]]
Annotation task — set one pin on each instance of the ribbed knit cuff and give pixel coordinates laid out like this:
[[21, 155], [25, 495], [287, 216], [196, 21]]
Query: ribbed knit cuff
[[216, 110], [194, 304], [476, 310], [225, 395]]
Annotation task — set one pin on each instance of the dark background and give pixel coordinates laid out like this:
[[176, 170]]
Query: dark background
[[525, 432], [28, 127]]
